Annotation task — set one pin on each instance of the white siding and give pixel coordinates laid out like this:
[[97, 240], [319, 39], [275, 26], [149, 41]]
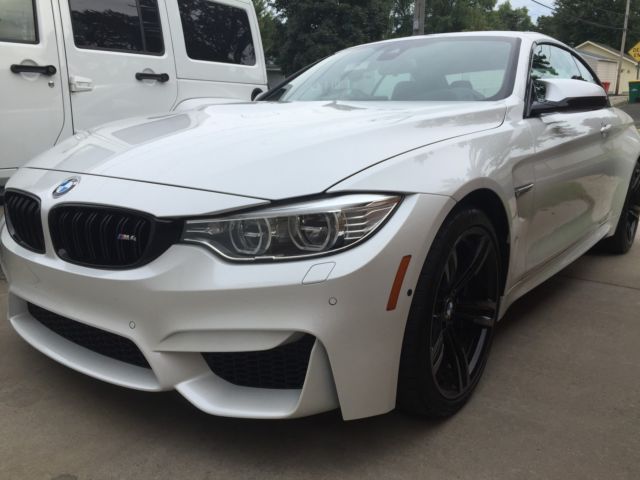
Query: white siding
[[606, 72]]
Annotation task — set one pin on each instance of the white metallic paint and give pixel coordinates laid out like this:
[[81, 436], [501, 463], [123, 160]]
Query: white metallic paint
[[224, 158]]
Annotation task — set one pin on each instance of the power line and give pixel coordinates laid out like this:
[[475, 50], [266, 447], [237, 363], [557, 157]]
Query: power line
[[580, 19], [589, 22], [594, 8]]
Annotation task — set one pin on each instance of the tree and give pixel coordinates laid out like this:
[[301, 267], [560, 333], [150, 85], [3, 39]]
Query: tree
[[507, 18], [312, 30], [575, 21], [300, 32], [458, 15], [401, 19], [269, 28]]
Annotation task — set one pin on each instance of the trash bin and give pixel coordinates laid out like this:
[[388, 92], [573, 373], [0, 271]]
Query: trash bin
[[606, 86], [634, 91]]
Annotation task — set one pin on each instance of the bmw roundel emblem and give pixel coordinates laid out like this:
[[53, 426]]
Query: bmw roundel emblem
[[66, 186]]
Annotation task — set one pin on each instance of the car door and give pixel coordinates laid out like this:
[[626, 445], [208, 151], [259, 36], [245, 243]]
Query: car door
[[573, 158], [31, 96], [120, 59]]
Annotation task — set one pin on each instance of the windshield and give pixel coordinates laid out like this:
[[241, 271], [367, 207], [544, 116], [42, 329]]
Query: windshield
[[429, 69]]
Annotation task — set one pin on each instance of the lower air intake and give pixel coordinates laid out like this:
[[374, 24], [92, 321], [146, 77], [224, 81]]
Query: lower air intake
[[98, 341], [283, 367]]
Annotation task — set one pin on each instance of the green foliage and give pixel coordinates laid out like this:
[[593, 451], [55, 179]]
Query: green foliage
[[575, 21], [506, 17], [296, 33], [458, 15], [315, 29], [468, 15], [401, 20], [269, 28]]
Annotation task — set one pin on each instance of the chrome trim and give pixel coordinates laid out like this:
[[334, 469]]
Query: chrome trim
[[521, 190]]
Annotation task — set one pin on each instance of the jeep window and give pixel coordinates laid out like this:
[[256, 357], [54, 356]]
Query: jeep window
[[117, 25], [215, 32]]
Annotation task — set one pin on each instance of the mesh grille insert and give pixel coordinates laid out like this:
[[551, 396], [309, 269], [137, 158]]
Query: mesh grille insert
[[105, 343], [24, 221], [283, 367]]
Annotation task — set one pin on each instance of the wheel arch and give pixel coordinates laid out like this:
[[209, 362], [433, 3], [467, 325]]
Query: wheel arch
[[489, 202]]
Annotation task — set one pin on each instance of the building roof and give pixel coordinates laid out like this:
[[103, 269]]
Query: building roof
[[602, 58], [606, 48]]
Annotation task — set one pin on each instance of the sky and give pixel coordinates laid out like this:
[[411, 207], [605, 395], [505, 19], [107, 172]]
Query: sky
[[535, 10]]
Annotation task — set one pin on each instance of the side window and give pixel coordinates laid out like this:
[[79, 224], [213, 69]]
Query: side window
[[118, 25], [553, 62], [216, 32], [585, 74], [18, 21]]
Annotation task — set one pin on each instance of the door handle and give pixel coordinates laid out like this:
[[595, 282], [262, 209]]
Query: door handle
[[161, 77], [605, 129], [80, 84], [48, 70]]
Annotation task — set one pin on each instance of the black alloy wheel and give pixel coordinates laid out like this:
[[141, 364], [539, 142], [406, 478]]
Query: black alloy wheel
[[452, 319], [633, 205], [625, 234]]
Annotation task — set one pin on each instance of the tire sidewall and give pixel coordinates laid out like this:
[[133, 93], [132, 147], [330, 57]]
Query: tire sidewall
[[422, 307]]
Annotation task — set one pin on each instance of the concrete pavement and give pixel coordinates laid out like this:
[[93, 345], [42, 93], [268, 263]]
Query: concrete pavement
[[632, 109], [560, 400]]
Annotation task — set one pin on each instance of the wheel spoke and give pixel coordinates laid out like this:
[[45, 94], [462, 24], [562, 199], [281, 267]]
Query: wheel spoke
[[451, 267], [479, 257], [635, 182], [481, 313], [634, 188], [459, 359], [464, 311], [437, 352]]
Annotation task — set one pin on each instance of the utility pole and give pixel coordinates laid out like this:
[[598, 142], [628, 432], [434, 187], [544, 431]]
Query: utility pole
[[418, 17], [624, 40]]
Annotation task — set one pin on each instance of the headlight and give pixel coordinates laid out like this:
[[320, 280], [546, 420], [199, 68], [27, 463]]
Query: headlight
[[298, 230]]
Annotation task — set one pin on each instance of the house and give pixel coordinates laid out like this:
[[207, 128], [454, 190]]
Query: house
[[604, 60]]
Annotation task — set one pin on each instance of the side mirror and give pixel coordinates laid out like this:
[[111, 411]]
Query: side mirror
[[563, 95], [255, 93]]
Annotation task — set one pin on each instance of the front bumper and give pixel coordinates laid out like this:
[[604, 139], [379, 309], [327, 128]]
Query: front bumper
[[189, 301]]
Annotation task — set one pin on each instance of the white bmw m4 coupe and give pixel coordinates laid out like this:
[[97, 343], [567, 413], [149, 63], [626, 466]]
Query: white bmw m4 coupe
[[349, 240]]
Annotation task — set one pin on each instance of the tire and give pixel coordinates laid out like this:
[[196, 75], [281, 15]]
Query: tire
[[452, 317], [625, 234]]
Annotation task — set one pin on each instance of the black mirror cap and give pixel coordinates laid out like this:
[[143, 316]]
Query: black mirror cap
[[573, 104], [255, 93]]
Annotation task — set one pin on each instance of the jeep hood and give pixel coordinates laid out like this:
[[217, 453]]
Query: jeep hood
[[266, 150]]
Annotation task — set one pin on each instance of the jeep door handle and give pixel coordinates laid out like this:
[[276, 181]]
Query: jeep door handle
[[160, 77], [48, 70]]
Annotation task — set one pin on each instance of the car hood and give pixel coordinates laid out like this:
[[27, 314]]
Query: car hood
[[266, 150]]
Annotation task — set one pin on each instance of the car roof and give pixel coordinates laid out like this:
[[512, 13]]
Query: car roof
[[531, 36]]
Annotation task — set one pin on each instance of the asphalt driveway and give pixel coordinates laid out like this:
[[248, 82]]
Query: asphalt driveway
[[560, 400]]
